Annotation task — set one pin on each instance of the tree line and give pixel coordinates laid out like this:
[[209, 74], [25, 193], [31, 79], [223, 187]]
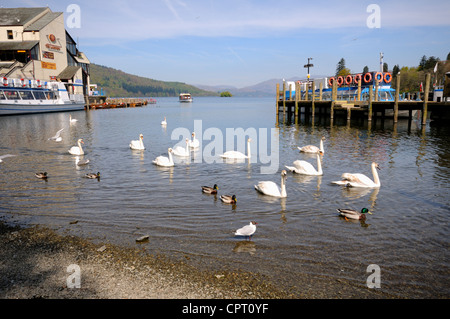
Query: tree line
[[410, 77]]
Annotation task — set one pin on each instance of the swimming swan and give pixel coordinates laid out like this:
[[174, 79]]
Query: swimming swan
[[164, 161], [195, 142], [305, 168], [181, 151], [236, 154], [360, 180], [271, 189], [138, 144], [313, 148], [77, 150]]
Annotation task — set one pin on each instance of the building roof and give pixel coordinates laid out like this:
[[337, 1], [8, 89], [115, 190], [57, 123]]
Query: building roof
[[42, 22], [16, 45], [68, 72], [19, 16]]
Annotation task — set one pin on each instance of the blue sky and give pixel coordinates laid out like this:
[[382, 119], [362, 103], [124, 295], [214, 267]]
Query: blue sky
[[244, 42]]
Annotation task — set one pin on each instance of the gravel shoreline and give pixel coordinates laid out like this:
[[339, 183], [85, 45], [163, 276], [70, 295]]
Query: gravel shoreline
[[34, 263]]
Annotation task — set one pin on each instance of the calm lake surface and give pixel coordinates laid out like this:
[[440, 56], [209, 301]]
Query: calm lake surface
[[407, 236]]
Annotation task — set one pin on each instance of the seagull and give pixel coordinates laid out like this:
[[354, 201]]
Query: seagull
[[5, 156], [57, 137], [247, 230]]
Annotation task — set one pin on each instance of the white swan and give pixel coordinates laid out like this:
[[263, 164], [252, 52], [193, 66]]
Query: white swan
[[77, 150], [236, 154], [313, 148], [138, 144], [305, 168], [271, 189], [195, 142], [71, 120], [360, 180], [164, 122], [181, 151], [57, 137], [164, 161]]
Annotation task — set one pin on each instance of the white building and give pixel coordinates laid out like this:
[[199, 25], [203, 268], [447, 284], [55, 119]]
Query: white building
[[34, 44]]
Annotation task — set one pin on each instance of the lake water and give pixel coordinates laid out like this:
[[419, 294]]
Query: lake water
[[407, 236]]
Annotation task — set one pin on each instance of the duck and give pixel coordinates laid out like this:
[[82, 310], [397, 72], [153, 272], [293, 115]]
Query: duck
[[71, 120], [164, 122], [164, 161], [360, 180], [181, 151], [236, 154], [57, 137], [210, 190], [77, 150], [354, 214], [269, 188], [228, 199], [313, 148], [305, 168], [138, 144], [247, 230], [41, 175], [92, 175], [195, 142]]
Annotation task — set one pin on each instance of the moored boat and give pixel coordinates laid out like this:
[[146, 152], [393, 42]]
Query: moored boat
[[23, 96], [185, 97]]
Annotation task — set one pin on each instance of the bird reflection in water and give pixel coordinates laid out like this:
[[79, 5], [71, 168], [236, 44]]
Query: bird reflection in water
[[245, 246]]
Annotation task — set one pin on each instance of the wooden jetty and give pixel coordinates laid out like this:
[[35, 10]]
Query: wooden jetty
[[111, 103], [311, 104]]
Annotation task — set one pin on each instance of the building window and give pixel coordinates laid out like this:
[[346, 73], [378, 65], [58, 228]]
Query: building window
[[10, 34]]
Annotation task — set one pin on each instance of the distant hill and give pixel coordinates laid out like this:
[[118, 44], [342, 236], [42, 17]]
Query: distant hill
[[116, 83]]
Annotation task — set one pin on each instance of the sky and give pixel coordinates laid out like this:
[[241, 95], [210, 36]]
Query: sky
[[243, 42]]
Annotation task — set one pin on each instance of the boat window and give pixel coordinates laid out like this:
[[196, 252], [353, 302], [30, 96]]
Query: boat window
[[2, 96], [39, 95], [12, 95], [50, 95], [26, 95]]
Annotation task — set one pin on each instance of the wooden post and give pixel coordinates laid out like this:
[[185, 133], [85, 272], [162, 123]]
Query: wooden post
[[333, 99], [370, 103], [320, 91], [306, 91], [359, 90], [313, 99], [278, 99], [284, 100], [425, 99], [297, 93], [397, 92], [376, 90]]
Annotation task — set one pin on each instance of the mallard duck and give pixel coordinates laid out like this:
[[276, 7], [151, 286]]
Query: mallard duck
[[41, 175], [353, 214], [247, 230], [92, 175], [228, 199], [210, 190]]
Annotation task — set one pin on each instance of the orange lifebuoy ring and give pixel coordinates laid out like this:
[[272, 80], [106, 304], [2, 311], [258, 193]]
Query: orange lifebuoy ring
[[340, 80], [386, 79], [367, 77], [22, 81], [331, 80], [378, 76], [348, 79], [38, 82], [5, 81], [358, 77]]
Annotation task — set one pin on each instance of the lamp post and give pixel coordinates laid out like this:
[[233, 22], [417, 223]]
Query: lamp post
[[309, 65]]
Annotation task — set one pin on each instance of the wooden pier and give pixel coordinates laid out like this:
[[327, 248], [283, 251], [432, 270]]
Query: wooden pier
[[312, 105], [102, 102]]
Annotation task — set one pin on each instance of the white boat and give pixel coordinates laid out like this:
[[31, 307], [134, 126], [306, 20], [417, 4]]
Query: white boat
[[185, 97], [24, 96]]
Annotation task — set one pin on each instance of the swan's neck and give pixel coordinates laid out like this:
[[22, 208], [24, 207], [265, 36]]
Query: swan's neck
[[170, 158], [141, 142], [248, 149], [79, 146], [321, 146], [376, 179], [283, 186], [319, 165]]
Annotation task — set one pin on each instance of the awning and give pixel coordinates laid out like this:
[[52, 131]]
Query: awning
[[16, 45], [69, 72]]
